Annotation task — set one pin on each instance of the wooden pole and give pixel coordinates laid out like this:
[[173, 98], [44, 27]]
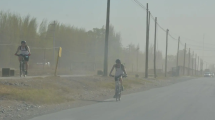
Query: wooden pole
[[155, 74], [184, 59], [106, 39], [167, 31]]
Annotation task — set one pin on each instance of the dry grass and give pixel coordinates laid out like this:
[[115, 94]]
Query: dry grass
[[35, 95], [161, 77], [127, 83], [110, 85], [52, 90]]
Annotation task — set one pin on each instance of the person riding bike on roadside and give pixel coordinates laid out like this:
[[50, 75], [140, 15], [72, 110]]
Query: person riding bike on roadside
[[120, 70], [24, 50]]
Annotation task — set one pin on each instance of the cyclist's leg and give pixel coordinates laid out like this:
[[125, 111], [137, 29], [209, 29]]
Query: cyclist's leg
[[19, 58], [120, 79], [115, 86], [26, 63], [20, 65]]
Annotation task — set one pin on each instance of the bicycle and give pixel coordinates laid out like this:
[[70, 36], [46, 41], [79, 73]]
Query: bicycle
[[118, 88], [22, 65]]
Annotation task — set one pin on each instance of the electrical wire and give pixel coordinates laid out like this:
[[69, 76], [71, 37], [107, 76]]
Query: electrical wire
[[161, 27], [140, 4], [172, 37], [152, 16]]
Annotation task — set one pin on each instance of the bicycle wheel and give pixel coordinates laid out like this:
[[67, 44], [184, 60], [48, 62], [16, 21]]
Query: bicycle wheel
[[20, 69], [116, 94], [119, 93], [23, 69]]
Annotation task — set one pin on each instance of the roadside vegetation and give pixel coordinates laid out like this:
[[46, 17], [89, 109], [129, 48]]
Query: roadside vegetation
[[52, 90]]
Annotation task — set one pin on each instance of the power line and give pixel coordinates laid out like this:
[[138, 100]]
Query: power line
[[140, 4], [152, 17], [143, 7], [161, 27], [172, 37], [187, 39]]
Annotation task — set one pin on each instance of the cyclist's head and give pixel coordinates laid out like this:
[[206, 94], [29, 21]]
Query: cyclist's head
[[118, 61], [23, 43]]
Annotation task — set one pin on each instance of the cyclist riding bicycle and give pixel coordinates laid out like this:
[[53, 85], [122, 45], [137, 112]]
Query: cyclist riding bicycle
[[120, 70], [25, 51]]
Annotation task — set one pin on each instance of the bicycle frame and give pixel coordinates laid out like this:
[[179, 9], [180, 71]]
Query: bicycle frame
[[118, 89], [22, 66]]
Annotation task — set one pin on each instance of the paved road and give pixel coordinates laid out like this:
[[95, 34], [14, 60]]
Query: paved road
[[189, 100]]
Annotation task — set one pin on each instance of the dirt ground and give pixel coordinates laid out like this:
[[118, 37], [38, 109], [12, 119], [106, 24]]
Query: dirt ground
[[23, 99]]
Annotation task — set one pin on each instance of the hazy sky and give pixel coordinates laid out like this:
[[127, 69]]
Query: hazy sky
[[188, 18]]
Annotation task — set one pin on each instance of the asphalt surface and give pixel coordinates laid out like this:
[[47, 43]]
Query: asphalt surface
[[189, 100]]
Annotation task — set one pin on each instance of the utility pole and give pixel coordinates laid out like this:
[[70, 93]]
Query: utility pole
[[189, 63], [195, 64], [94, 64], [129, 58], [149, 23], [147, 41], [155, 75], [106, 39], [137, 56], [202, 66], [54, 24], [167, 33], [44, 61], [9, 56], [203, 53], [178, 52], [192, 61], [198, 65], [184, 59], [200, 60]]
